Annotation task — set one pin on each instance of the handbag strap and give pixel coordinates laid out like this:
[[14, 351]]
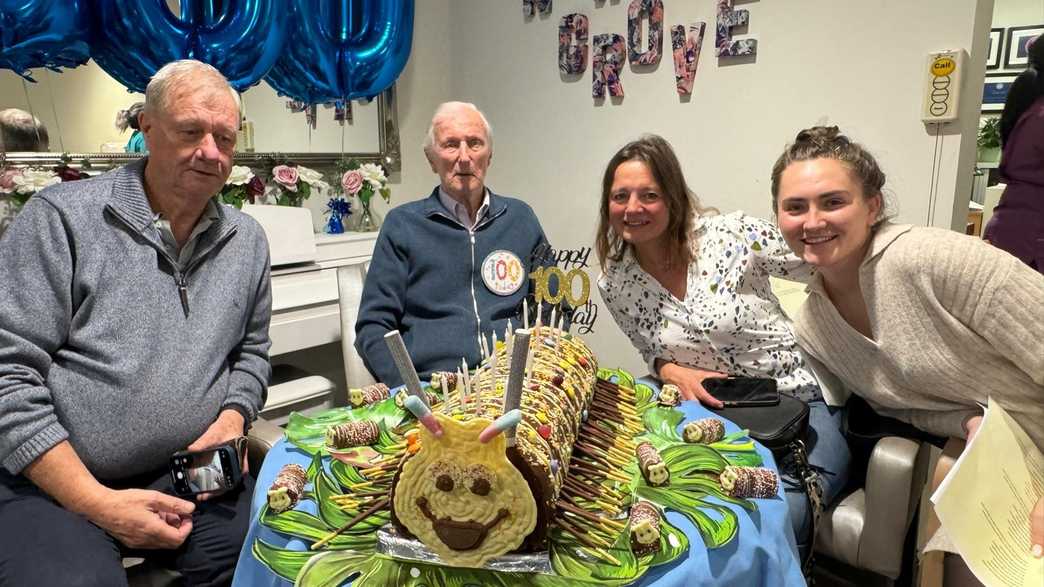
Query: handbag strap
[[810, 479]]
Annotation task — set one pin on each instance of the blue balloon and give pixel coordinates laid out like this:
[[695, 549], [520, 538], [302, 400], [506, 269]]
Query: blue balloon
[[43, 33], [131, 40], [343, 49]]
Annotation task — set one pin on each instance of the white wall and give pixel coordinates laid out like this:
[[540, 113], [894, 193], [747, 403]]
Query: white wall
[[1007, 13], [855, 63]]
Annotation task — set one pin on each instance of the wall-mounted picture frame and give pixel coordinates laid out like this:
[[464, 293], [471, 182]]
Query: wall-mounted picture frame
[[995, 91], [994, 49], [1016, 54]]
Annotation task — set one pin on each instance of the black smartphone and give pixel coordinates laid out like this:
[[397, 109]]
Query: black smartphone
[[214, 470], [737, 392]]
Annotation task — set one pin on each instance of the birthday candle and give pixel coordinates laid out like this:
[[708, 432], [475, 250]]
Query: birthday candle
[[510, 349], [493, 354], [552, 321], [418, 408], [461, 396], [506, 422], [525, 313]]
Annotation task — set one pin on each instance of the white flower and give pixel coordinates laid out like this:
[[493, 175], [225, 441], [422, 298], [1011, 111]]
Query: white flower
[[313, 178], [309, 176], [34, 180], [374, 174], [241, 175]]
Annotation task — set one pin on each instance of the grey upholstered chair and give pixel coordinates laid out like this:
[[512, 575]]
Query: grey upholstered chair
[[867, 528]]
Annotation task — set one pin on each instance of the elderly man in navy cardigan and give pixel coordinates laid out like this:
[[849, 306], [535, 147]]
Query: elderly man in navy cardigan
[[449, 270]]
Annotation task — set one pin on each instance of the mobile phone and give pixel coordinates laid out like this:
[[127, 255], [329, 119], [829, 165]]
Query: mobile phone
[[737, 392], [214, 470]]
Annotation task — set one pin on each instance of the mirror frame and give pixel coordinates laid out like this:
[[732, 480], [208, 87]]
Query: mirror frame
[[389, 156]]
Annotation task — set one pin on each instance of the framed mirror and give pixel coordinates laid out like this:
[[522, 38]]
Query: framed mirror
[[78, 107]]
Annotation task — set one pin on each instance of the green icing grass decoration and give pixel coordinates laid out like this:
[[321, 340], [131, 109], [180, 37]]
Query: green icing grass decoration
[[693, 491]]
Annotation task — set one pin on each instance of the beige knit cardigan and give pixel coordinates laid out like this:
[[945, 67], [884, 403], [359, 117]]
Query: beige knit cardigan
[[954, 321]]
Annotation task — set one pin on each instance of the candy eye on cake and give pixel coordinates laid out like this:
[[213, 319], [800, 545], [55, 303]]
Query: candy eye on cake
[[479, 479], [445, 475]]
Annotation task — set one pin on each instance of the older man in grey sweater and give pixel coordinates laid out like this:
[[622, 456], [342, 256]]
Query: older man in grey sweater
[[134, 316]]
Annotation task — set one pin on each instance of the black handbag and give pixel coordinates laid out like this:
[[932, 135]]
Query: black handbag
[[773, 419]]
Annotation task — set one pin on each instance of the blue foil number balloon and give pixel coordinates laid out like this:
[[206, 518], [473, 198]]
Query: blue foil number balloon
[[43, 33], [242, 38], [343, 49]]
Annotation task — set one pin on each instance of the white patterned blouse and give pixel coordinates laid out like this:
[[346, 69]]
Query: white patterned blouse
[[730, 321]]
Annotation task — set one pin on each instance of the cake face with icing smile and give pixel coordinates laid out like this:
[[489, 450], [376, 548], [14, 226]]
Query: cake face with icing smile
[[462, 498]]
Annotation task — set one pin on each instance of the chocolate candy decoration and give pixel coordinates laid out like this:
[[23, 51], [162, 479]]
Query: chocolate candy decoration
[[644, 528], [443, 380], [752, 482], [368, 395], [287, 488], [401, 397], [704, 431], [352, 434], [651, 464], [670, 396]]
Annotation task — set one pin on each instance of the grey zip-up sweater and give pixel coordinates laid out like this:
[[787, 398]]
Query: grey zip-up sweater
[[106, 342]]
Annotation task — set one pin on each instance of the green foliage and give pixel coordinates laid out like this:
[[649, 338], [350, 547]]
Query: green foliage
[[989, 133], [234, 195]]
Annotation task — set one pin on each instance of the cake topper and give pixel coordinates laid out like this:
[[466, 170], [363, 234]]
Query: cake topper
[[402, 362]]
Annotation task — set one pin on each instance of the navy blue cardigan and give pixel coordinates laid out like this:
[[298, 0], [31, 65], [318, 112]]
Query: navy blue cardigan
[[421, 280]]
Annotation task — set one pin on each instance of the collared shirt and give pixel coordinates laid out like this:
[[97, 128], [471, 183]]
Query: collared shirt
[[460, 211], [184, 254], [729, 320]]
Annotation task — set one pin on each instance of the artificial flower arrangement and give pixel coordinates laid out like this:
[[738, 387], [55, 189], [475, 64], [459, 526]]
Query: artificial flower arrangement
[[295, 183], [363, 181], [242, 185], [20, 183]]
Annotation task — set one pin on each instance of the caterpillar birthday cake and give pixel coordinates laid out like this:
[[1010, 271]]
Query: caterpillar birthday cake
[[535, 462], [487, 478]]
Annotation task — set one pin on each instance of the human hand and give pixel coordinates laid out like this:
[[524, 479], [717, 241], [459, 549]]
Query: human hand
[[971, 427], [690, 382], [1037, 529], [142, 518], [228, 427]]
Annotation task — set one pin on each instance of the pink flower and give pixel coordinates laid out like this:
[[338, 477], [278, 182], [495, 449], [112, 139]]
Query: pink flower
[[352, 182], [285, 176]]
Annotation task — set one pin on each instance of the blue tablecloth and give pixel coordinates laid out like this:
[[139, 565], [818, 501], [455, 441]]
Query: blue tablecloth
[[764, 553]]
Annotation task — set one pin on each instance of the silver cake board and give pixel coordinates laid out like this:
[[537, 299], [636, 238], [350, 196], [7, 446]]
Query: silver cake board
[[391, 543]]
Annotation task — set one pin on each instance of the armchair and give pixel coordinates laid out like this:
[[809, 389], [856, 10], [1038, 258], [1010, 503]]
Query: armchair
[[867, 528]]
